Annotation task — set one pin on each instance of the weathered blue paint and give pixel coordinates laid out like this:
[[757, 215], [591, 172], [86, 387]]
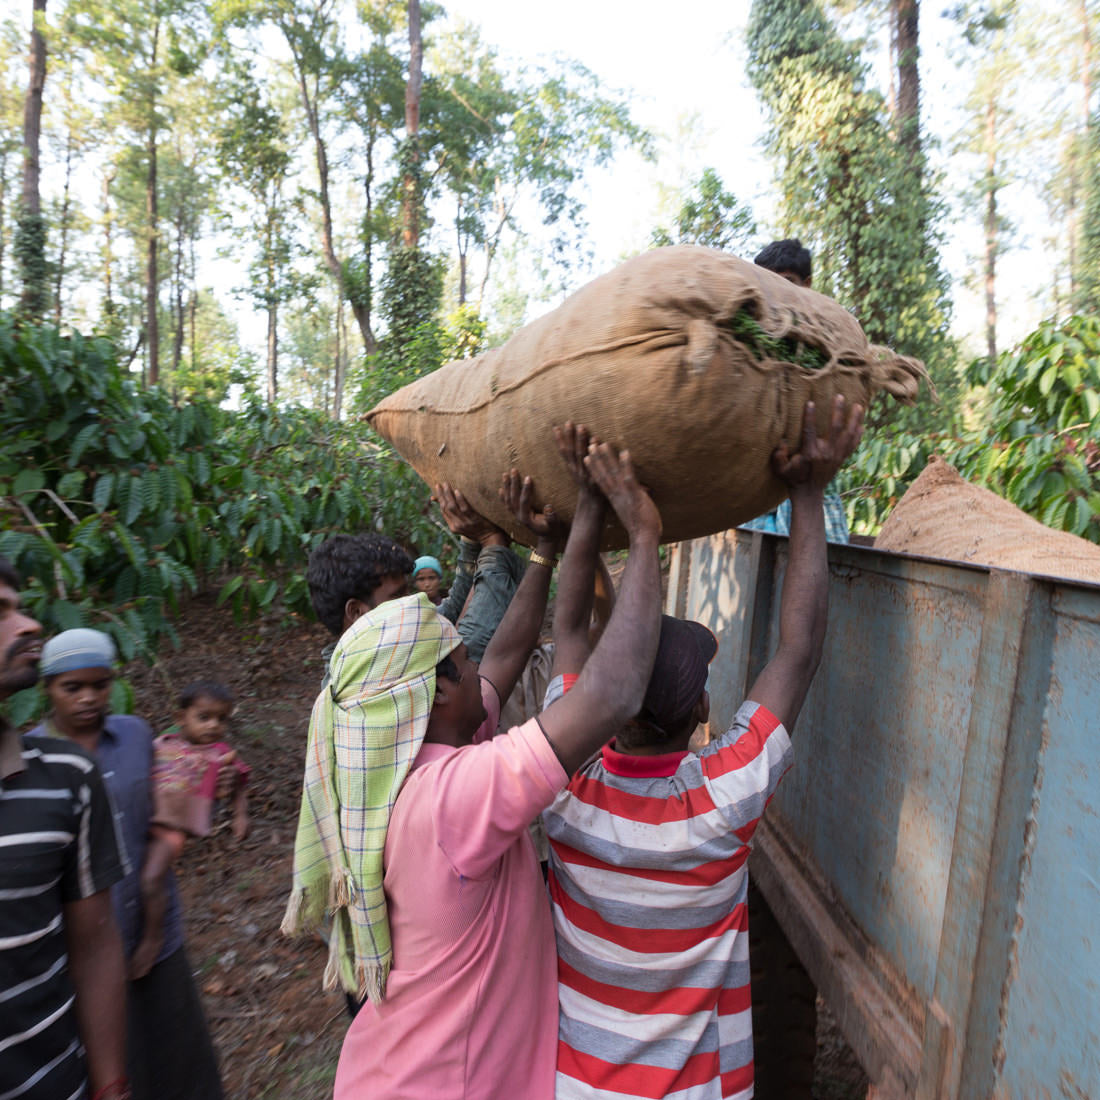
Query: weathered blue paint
[[937, 845], [1051, 1033]]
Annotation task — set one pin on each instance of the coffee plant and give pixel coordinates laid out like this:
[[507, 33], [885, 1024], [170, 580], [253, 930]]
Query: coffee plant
[[115, 502], [1033, 437]]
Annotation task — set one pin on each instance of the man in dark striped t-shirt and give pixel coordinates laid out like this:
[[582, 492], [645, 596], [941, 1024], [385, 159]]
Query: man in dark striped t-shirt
[[62, 985]]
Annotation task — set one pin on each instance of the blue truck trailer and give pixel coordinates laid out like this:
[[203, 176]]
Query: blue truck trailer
[[933, 857]]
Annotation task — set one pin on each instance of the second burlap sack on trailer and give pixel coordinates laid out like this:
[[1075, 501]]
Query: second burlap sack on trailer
[[698, 362], [942, 515]]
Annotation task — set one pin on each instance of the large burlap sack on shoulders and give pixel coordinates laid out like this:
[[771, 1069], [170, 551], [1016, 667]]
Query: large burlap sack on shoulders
[[645, 358], [944, 516]]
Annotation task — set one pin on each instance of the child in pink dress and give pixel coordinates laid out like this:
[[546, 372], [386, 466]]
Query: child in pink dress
[[189, 767], [188, 762]]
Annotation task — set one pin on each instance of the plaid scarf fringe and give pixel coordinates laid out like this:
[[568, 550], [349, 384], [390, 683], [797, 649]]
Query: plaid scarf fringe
[[389, 654]]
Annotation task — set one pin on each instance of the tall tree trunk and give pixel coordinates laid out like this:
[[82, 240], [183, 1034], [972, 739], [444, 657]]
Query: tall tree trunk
[[31, 230], [341, 363], [32, 112], [1086, 61], [410, 185], [991, 232], [180, 318], [63, 243], [368, 226], [108, 253], [328, 248], [193, 307], [3, 214], [152, 332], [272, 312], [905, 18], [1080, 151], [272, 352], [334, 410]]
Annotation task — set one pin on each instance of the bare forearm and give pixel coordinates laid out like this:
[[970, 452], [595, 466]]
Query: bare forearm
[[97, 970], [803, 611], [518, 632], [611, 687], [618, 670], [576, 578], [782, 686]]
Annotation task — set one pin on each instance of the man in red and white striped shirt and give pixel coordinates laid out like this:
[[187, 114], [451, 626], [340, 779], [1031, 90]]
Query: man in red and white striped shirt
[[649, 841]]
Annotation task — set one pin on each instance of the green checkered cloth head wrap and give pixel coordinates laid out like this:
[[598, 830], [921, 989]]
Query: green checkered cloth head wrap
[[366, 728]]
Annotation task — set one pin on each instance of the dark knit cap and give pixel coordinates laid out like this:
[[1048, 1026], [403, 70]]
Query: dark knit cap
[[679, 674]]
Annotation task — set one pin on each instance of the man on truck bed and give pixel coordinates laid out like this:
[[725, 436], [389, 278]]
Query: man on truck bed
[[790, 259], [649, 840]]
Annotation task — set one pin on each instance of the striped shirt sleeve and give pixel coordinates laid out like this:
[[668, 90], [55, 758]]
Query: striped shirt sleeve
[[97, 860], [742, 768]]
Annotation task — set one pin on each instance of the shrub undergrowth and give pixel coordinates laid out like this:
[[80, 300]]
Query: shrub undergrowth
[[115, 502]]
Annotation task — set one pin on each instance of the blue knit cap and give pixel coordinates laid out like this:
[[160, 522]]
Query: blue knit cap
[[427, 562], [73, 649]]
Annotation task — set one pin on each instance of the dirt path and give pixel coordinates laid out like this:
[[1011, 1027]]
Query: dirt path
[[277, 1033]]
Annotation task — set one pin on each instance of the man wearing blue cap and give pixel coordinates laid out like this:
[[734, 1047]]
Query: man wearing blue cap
[[170, 1055], [62, 976]]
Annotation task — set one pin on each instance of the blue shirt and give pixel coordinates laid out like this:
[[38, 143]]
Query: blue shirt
[[778, 522], [125, 758]]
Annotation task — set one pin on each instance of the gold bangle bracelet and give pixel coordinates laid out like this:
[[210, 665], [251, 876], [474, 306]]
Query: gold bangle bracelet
[[541, 559]]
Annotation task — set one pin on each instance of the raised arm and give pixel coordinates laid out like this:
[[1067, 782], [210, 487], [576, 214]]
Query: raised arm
[[476, 535], [518, 632], [803, 609], [576, 578], [612, 685]]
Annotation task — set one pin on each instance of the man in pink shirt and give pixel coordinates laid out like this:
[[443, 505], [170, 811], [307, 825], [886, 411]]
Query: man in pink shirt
[[467, 1006]]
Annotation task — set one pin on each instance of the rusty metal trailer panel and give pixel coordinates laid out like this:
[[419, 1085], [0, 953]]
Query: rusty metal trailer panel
[[934, 854]]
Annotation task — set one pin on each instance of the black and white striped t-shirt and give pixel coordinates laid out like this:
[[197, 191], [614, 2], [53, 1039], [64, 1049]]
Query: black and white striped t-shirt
[[58, 844]]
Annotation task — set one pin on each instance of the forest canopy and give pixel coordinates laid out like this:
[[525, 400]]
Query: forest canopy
[[385, 192]]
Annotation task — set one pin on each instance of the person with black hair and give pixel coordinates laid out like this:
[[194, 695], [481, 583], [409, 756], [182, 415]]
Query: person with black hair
[[789, 259], [170, 1055], [792, 261], [192, 757], [349, 575], [62, 971], [649, 840], [413, 831], [192, 768]]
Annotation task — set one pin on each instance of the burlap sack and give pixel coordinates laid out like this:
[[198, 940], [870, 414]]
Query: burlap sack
[[943, 516], [645, 359]]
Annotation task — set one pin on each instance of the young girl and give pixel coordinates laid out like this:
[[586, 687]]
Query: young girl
[[185, 773], [186, 769]]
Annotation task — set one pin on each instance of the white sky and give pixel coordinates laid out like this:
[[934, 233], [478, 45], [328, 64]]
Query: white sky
[[683, 61]]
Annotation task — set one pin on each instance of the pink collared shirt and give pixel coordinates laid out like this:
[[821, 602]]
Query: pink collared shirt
[[471, 1009]]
